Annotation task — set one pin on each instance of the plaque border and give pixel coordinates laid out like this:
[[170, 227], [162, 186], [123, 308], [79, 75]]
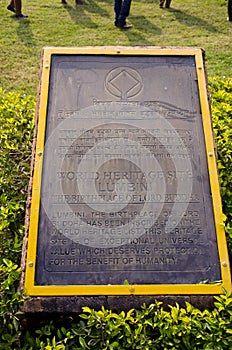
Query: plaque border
[[34, 205]]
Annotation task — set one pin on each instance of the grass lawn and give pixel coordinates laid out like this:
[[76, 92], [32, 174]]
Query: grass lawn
[[188, 23]]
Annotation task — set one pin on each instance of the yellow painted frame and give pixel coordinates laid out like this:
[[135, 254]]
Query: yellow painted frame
[[184, 289]]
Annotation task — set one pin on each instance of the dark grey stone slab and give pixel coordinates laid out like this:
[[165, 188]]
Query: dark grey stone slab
[[125, 187]]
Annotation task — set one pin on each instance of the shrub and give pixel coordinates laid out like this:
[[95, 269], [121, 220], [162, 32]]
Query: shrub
[[150, 328], [221, 102], [9, 306], [153, 327], [16, 130]]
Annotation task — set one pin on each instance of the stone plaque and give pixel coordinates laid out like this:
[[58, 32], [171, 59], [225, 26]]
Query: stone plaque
[[125, 193]]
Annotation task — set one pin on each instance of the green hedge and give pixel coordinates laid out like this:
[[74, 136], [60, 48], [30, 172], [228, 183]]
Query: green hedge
[[152, 327], [16, 133], [221, 101]]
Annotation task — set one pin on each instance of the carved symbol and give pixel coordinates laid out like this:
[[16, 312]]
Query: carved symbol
[[124, 83]]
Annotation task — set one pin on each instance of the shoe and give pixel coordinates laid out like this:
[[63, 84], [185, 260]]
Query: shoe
[[79, 2], [10, 8], [125, 26], [21, 16]]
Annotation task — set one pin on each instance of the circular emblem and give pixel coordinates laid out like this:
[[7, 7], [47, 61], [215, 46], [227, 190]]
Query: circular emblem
[[123, 82]]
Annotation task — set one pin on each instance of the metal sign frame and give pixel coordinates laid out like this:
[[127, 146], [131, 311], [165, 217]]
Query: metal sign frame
[[154, 289]]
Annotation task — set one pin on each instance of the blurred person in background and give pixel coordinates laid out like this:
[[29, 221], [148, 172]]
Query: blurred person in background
[[167, 3], [16, 7], [122, 10]]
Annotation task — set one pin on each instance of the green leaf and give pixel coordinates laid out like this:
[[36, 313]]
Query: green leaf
[[83, 343]]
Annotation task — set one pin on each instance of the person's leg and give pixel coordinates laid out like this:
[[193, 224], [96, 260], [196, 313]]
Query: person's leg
[[162, 3], [230, 10], [168, 3], [11, 6], [124, 13], [18, 9], [117, 9]]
